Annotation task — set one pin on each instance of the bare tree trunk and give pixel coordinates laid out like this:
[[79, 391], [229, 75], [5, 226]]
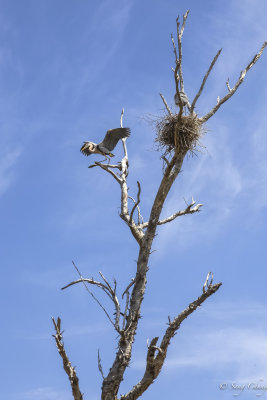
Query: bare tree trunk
[[112, 382]]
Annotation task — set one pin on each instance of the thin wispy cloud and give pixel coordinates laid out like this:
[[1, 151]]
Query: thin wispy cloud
[[45, 393], [70, 332], [257, 173], [234, 349], [7, 168], [226, 344], [116, 20], [113, 23]]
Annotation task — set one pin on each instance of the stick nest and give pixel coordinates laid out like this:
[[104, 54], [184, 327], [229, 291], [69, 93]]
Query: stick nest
[[180, 134]]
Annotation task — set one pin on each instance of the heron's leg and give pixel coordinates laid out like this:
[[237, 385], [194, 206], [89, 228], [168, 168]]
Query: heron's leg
[[105, 159]]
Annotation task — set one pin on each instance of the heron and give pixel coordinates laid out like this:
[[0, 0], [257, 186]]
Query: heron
[[183, 97], [108, 144]]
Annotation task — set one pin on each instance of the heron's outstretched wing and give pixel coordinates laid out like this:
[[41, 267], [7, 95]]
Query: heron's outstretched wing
[[113, 136]]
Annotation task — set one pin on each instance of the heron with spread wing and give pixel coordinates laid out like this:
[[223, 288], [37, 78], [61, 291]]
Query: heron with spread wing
[[108, 144]]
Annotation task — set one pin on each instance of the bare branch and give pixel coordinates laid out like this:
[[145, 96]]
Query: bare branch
[[184, 21], [174, 49], [128, 287], [165, 159], [126, 310], [137, 203], [165, 103], [228, 85], [137, 232], [188, 210], [93, 282], [175, 324], [204, 81], [69, 369], [180, 35], [108, 290], [126, 291], [105, 167], [152, 346], [176, 79], [99, 364], [178, 74], [180, 213], [106, 282], [115, 301], [154, 362], [138, 210], [118, 166], [124, 140], [164, 164], [122, 113], [234, 89]]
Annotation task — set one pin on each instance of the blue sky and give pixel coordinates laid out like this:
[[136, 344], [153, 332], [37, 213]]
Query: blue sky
[[67, 69]]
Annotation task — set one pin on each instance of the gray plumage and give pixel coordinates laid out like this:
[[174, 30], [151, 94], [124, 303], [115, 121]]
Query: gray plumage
[[184, 99], [108, 144]]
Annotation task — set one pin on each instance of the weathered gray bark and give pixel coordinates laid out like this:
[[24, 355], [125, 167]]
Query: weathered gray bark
[[112, 382], [69, 369]]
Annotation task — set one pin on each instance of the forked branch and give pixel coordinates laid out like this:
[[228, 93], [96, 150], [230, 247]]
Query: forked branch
[[140, 218], [111, 293], [69, 369], [204, 81], [190, 209], [136, 203], [165, 104], [179, 37], [156, 354], [127, 293], [106, 167], [236, 86]]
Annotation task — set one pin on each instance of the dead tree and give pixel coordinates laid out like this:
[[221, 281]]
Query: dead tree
[[177, 134]]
